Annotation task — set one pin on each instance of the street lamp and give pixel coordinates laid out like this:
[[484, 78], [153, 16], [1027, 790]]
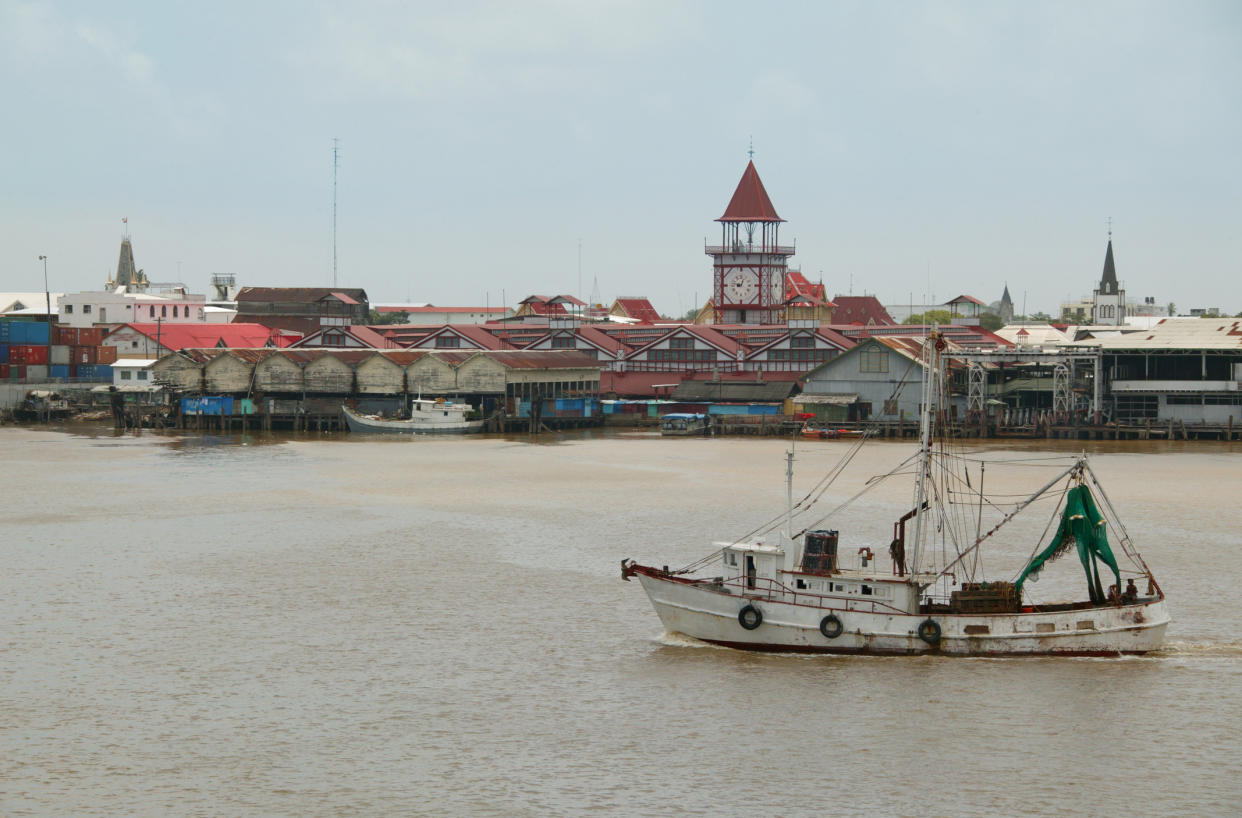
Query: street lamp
[[47, 293]]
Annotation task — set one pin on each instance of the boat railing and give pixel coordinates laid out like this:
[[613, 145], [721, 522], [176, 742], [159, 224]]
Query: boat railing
[[775, 591]]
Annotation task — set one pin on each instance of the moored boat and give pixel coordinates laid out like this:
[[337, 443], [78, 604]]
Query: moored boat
[[779, 590], [684, 424], [426, 417]]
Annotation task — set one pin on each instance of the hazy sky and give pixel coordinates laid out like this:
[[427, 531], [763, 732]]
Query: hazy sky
[[966, 144]]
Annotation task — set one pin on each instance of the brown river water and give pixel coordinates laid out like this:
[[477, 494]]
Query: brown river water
[[241, 625]]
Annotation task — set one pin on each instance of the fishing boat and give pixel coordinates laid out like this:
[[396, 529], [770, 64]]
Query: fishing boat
[[801, 591], [438, 416], [684, 424]]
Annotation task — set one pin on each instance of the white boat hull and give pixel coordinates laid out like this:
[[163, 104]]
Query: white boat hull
[[711, 614], [418, 426]]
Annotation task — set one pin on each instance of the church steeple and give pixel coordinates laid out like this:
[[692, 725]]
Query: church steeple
[[1108, 283]]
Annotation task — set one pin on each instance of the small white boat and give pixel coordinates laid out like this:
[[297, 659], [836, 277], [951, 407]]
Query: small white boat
[[779, 590], [426, 417]]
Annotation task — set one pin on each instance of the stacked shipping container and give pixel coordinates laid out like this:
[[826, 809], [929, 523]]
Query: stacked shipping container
[[34, 351]]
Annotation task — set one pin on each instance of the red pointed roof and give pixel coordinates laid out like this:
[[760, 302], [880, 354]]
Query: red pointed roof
[[750, 202]]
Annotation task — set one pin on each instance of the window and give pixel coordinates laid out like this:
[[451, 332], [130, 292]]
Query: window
[[801, 355], [142, 374], [563, 342], [133, 344], [163, 311], [86, 309], [873, 360], [200, 313], [126, 375], [174, 311], [681, 343], [802, 342], [68, 309], [152, 310], [448, 342], [681, 355]]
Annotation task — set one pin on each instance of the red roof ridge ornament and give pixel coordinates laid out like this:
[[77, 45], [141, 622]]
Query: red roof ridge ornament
[[750, 202]]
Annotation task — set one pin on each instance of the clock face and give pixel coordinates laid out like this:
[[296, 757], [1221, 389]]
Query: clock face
[[776, 293], [741, 286]]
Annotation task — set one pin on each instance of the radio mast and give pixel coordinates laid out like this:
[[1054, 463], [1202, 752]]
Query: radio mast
[[335, 153]]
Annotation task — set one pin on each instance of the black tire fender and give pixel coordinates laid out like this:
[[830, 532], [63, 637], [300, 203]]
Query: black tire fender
[[830, 626], [750, 617], [929, 631]]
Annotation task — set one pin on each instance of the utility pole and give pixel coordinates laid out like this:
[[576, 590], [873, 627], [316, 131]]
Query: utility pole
[[335, 153]]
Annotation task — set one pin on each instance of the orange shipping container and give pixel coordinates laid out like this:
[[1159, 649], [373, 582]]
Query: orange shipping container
[[65, 336], [106, 355], [90, 336], [85, 355]]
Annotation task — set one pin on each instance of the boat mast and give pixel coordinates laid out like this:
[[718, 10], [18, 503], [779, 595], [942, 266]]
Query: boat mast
[[930, 369], [789, 459]]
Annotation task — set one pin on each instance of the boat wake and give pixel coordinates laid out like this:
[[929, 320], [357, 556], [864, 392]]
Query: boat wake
[[1200, 650], [673, 639]]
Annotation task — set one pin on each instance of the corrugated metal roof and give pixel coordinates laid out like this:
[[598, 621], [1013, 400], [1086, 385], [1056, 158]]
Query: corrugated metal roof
[[543, 359], [860, 309], [639, 309], [1177, 333], [304, 295], [198, 336], [762, 391]]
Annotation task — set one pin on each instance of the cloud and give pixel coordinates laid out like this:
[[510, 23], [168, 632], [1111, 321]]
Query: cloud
[[133, 65], [480, 49]]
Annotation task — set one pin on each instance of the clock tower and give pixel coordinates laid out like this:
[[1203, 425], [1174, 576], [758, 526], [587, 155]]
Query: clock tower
[[749, 265]]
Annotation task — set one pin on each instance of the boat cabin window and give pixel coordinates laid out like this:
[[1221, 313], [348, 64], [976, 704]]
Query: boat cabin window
[[730, 558], [866, 590]]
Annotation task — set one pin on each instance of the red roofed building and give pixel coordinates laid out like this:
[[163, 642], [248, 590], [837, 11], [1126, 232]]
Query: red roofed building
[[544, 306], [635, 309], [865, 310], [155, 340]]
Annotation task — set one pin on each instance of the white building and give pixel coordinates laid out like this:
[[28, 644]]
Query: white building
[[1109, 300], [86, 309]]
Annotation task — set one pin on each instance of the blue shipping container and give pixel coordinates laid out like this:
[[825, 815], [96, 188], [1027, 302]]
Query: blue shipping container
[[4, 353], [94, 372], [37, 333], [5, 332], [59, 370]]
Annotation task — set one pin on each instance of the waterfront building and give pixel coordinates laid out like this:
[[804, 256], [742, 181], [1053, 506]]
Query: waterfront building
[[1182, 369], [878, 379]]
